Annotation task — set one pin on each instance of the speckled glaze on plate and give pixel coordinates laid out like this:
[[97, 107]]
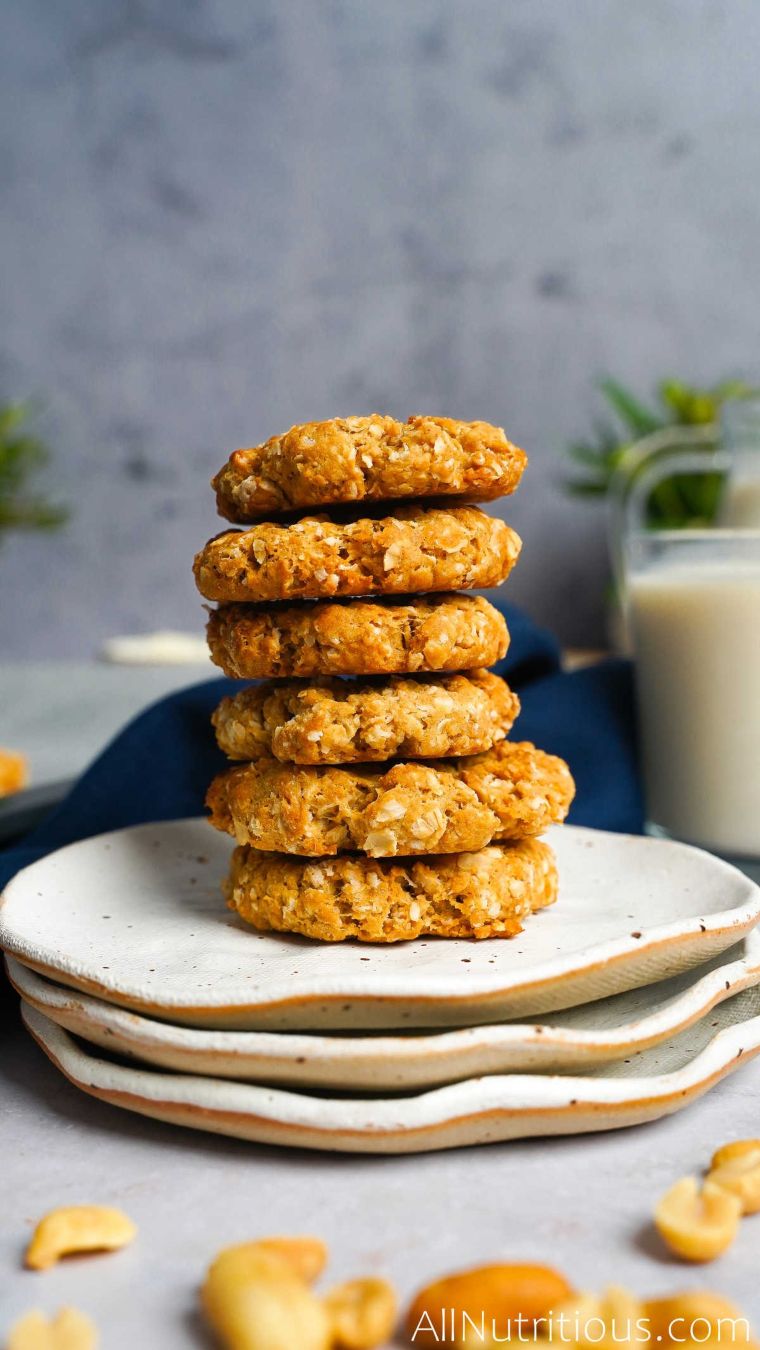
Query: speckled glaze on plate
[[135, 917], [478, 1111], [574, 1039]]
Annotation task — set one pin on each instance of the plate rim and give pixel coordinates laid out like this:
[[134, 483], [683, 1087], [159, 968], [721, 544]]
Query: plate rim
[[554, 1096], [676, 1015], [731, 923]]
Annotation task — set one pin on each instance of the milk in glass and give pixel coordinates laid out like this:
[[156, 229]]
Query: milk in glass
[[695, 614]]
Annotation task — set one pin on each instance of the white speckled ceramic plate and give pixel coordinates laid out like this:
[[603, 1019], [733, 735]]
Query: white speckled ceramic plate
[[136, 918], [574, 1039], [477, 1111]]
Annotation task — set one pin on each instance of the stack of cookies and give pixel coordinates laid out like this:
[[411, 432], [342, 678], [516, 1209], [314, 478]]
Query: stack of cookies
[[375, 794]]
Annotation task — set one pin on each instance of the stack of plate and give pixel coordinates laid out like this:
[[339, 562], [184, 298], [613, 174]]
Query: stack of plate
[[632, 996]]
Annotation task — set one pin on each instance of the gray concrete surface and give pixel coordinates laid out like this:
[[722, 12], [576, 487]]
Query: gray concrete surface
[[224, 216], [62, 714]]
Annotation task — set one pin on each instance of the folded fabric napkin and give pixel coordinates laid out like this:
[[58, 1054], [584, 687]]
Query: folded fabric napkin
[[160, 765]]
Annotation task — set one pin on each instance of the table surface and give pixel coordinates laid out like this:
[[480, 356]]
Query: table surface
[[61, 713], [583, 1204]]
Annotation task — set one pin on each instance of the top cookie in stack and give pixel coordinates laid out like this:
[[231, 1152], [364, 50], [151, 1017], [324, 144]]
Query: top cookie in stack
[[414, 766], [351, 459]]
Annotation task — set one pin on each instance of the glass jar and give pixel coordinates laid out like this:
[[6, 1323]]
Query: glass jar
[[692, 598]]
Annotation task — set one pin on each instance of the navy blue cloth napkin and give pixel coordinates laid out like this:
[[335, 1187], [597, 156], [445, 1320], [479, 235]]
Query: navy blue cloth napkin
[[159, 766]]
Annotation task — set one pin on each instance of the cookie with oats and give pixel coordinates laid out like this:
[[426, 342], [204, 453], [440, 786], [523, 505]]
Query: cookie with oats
[[333, 721], [356, 637], [487, 894], [318, 812], [450, 806], [351, 459], [526, 788], [317, 558]]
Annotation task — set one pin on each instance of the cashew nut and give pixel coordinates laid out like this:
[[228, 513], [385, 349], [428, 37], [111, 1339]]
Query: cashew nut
[[68, 1330], [362, 1313], [697, 1225], [255, 1298], [716, 1319], [736, 1167], [614, 1318], [78, 1228], [306, 1256]]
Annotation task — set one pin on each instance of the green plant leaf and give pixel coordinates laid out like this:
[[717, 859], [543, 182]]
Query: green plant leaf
[[638, 418], [30, 513], [21, 455], [690, 407], [587, 488], [682, 500], [734, 389], [13, 415], [591, 456]]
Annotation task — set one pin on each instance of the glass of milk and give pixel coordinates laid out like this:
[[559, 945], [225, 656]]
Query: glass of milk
[[693, 608]]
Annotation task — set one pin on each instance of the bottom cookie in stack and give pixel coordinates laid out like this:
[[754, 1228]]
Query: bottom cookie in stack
[[486, 894]]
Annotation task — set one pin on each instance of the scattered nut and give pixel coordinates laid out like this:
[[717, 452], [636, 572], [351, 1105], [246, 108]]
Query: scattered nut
[[305, 1256], [736, 1167], [75, 1229], [267, 1314], [739, 1148], [697, 1225], [740, 1178], [14, 772], [669, 1319], [494, 1295], [362, 1312], [68, 1330], [614, 1318], [255, 1298]]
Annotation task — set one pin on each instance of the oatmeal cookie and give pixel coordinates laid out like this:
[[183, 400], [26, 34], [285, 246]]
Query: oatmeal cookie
[[356, 637], [465, 895], [509, 792], [318, 812], [333, 721], [374, 458], [317, 559], [528, 789]]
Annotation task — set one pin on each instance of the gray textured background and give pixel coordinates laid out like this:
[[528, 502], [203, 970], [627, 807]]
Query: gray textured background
[[220, 218]]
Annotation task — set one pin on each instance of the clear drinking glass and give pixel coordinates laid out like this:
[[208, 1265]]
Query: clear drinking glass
[[692, 599]]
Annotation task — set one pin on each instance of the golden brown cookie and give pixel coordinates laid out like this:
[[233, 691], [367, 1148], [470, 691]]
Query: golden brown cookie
[[526, 788], [318, 812], [332, 721], [351, 459], [357, 637], [415, 549], [511, 791], [462, 895]]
